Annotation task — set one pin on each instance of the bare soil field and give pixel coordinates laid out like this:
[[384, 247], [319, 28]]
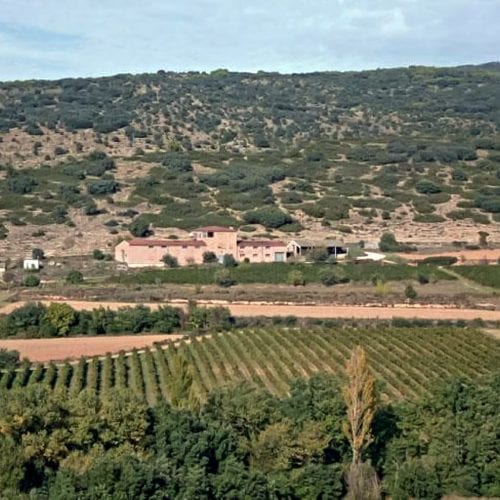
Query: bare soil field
[[419, 311], [43, 350]]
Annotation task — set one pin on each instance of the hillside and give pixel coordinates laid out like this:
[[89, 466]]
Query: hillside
[[345, 155]]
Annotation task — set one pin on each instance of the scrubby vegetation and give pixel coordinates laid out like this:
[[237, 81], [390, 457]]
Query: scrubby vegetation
[[158, 423], [375, 144]]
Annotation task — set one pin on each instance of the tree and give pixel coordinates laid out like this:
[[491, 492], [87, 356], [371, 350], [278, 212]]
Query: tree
[[74, 277], [410, 292], [330, 277], [31, 280], [90, 208], [8, 359], [359, 396], [224, 279], [181, 386], [98, 254], [37, 253], [61, 317], [483, 238], [170, 260], [296, 278], [388, 243], [229, 261], [209, 257], [427, 187], [139, 228], [271, 217]]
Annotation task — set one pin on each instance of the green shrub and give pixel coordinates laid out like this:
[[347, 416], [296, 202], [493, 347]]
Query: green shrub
[[139, 228], [209, 258], [410, 293], [440, 260], [31, 280], [296, 278], [223, 278], [74, 277], [427, 187], [9, 359], [330, 277], [229, 261], [271, 217], [38, 253], [170, 261]]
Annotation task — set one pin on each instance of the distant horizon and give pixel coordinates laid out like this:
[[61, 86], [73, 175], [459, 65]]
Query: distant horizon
[[255, 72], [52, 39]]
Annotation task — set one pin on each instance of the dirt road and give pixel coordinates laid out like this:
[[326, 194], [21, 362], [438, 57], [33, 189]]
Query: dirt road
[[42, 350], [309, 311]]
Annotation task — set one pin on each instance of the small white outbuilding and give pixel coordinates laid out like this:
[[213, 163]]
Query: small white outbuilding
[[31, 264]]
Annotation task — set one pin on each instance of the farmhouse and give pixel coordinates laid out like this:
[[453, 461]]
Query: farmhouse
[[145, 252]]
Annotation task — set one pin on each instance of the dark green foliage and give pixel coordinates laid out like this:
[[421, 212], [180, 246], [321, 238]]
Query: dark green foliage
[[102, 187], [177, 162], [38, 253], [98, 254], [268, 217], [388, 243], [139, 228], [245, 443], [410, 292], [209, 258], [74, 277], [223, 278], [9, 359], [276, 273], [170, 260], [440, 260], [488, 275], [20, 183], [427, 187], [333, 276], [229, 261], [31, 280], [209, 318], [434, 465]]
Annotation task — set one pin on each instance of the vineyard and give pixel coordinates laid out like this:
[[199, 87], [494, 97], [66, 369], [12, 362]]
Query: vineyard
[[407, 362]]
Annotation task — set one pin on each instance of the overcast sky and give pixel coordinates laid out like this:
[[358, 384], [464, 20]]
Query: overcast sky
[[55, 38]]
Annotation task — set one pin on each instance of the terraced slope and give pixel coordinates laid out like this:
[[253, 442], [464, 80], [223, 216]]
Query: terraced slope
[[408, 362]]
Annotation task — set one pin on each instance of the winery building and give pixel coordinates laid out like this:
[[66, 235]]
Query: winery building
[[146, 252]]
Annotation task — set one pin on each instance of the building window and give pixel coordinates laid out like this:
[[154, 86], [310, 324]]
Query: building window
[[210, 234]]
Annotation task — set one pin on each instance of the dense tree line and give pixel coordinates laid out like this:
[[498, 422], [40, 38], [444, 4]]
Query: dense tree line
[[245, 443], [60, 319]]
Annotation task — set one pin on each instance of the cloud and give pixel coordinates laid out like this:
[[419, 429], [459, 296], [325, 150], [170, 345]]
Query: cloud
[[92, 37]]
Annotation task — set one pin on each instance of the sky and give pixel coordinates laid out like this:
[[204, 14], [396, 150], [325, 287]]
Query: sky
[[52, 39]]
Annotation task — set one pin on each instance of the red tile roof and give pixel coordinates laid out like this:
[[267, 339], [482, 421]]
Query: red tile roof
[[215, 229], [146, 242], [261, 243]]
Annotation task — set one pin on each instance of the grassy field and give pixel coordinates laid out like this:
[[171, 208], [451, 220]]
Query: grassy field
[[484, 275], [276, 273], [406, 361]]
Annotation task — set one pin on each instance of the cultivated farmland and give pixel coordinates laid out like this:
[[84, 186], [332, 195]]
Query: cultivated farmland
[[408, 362]]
